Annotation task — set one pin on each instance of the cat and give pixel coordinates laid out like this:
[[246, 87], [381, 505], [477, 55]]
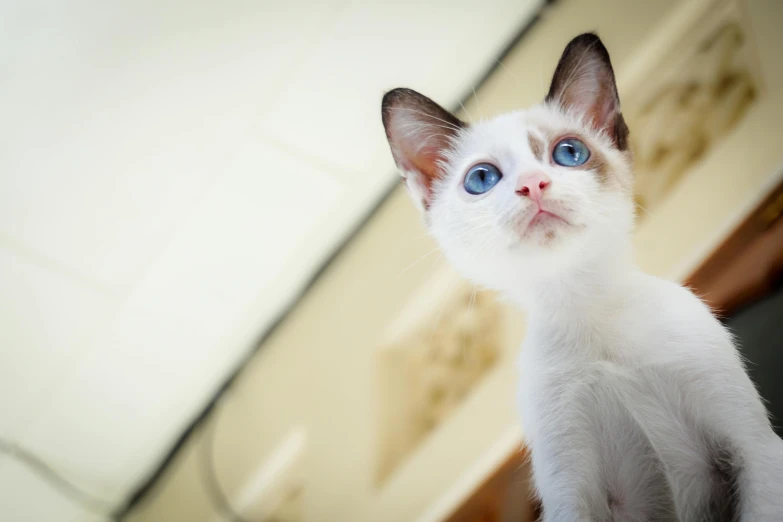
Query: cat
[[635, 403]]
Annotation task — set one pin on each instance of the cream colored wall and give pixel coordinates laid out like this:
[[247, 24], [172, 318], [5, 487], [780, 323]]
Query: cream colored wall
[[316, 372], [730, 181]]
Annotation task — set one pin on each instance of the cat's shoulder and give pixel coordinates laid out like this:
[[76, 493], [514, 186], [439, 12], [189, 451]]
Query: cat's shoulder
[[661, 307], [667, 296], [666, 313]]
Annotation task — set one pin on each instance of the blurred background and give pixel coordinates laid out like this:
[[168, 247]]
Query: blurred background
[[218, 304]]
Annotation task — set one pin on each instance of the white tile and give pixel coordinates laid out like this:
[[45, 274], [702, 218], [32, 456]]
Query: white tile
[[46, 322], [25, 497], [118, 414], [258, 218], [175, 341], [331, 108], [116, 118]]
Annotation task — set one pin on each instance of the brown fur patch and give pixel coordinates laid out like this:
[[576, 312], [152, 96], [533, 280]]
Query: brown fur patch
[[620, 132], [598, 164], [536, 145]]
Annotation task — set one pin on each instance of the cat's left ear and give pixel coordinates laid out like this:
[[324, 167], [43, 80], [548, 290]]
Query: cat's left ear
[[584, 83], [420, 134]]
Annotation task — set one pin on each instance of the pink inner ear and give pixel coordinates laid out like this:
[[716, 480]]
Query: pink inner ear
[[419, 166], [592, 95], [420, 133], [602, 110], [414, 179], [419, 144], [425, 160], [584, 84]]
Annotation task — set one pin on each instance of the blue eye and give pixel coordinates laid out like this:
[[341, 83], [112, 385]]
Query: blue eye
[[570, 152], [481, 178]]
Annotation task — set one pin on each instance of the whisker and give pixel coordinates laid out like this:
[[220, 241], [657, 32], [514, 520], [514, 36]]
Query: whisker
[[428, 115], [470, 309], [470, 118], [419, 260], [478, 105]]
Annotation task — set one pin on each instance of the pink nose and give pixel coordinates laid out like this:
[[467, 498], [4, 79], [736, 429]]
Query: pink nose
[[532, 186]]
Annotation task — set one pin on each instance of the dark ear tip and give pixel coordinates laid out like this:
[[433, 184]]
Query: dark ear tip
[[392, 97], [402, 96], [587, 41], [426, 110], [590, 37]]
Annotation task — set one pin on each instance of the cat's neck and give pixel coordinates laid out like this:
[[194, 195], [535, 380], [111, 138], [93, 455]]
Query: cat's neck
[[579, 293]]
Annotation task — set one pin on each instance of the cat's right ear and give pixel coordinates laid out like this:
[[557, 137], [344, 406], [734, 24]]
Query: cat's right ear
[[420, 133], [584, 83]]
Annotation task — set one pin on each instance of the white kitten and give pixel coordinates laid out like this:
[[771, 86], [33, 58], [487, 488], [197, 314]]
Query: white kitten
[[634, 400]]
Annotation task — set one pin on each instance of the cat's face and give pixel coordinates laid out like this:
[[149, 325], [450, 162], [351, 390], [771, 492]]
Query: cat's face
[[526, 193]]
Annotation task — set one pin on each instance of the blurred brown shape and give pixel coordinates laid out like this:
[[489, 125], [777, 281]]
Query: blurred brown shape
[[747, 264], [690, 112], [428, 374], [505, 496]]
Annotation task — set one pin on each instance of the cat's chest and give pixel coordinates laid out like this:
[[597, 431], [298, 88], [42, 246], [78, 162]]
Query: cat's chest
[[551, 386], [551, 359], [598, 393], [560, 378]]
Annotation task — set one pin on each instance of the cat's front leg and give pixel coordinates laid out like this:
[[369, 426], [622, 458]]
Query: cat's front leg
[[558, 416], [566, 475], [743, 440], [755, 456], [761, 481], [557, 409]]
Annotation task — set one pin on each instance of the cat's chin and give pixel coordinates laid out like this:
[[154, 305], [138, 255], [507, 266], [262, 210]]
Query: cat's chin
[[544, 228]]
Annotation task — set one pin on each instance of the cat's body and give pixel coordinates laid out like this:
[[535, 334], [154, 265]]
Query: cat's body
[[625, 419], [634, 401]]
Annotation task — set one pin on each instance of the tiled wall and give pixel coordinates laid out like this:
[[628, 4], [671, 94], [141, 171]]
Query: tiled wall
[[169, 173]]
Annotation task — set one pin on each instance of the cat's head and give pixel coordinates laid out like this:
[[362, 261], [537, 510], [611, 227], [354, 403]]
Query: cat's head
[[527, 193]]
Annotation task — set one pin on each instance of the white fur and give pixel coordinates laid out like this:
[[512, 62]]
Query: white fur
[[629, 387]]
